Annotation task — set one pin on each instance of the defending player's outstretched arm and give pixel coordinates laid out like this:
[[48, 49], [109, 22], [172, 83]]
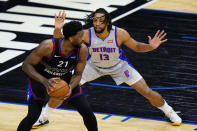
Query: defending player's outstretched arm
[[124, 37]]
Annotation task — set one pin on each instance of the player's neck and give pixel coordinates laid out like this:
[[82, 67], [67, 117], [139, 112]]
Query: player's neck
[[66, 47], [103, 35]]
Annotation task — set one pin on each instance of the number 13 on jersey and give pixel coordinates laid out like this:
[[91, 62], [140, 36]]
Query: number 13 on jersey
[[104, 57]]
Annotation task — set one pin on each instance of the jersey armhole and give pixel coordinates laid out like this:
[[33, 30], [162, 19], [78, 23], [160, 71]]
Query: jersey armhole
[[78, 54], [116, 37], [53, 52], [90, 37]]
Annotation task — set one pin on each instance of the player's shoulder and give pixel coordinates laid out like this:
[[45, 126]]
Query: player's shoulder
[[83, 48], [121, 31], [122, 35], [86, 36], [86, 32], [45, 46], [83, 52], [46, 42]]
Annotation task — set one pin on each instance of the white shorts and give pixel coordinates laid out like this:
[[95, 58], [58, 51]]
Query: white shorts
[[120, 73]]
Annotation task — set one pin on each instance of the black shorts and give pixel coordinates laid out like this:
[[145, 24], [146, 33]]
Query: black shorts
[[39, 92]]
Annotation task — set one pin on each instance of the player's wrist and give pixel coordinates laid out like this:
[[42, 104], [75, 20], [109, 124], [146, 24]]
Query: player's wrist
[[151, 47], [43, 80], [57, 29]]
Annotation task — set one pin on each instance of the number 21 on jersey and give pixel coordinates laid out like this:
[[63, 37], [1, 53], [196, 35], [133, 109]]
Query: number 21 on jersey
[[62, 64]]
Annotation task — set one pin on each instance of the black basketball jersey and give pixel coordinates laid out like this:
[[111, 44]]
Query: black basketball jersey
[[58, 64]]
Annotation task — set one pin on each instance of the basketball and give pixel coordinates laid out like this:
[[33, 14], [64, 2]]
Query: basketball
[[61, 89]]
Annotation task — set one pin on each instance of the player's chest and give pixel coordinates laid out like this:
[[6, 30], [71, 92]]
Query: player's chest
[[101, 47], [63, 62]]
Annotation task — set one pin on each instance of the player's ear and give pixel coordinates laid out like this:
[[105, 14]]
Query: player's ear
[[70, 39]]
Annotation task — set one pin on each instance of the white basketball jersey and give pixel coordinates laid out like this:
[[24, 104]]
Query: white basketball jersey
[[104, 53]]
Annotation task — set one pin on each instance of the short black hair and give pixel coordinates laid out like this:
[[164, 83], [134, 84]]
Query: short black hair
[[71, 28], [89, 18]]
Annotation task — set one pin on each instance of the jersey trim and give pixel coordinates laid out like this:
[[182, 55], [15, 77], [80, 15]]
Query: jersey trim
[[78, 54], [75, 95], [90, 37], [32, 93], [116, 37], [122, 56], [53, 52], [60, 51]]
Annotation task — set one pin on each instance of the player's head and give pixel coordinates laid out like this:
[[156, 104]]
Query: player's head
[[100, 19], [73, 32]]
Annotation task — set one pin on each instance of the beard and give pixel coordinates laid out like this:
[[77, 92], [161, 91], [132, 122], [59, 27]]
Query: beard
[[99, 32]]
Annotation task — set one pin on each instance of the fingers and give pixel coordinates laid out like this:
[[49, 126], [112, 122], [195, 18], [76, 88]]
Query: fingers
[[149, 38], [156, 35], [52, 82], [60, 15], [55, 79], [64, 15], [164, 40], [160, 35], [51, 86], [68, 95]]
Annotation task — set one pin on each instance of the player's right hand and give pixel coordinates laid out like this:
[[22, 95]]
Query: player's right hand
[[50, 83], [59, 20]]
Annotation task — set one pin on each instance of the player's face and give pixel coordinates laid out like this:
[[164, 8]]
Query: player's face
[[99, 23], [78, 39]]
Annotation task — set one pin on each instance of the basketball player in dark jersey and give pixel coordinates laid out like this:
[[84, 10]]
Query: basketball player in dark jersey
[[51, 60]]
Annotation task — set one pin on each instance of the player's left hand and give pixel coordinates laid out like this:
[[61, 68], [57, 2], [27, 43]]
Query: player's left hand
[[69, 94], [157, 40]]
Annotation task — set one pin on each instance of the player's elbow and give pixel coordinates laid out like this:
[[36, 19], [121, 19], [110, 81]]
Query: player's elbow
[[23, 66]]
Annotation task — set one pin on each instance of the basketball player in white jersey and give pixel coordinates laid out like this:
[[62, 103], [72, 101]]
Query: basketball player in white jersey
[[104, 41]]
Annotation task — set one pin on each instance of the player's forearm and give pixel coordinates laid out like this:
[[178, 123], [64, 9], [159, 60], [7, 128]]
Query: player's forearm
[[57, 33], [75, 80], [142, 47], [31, 72]]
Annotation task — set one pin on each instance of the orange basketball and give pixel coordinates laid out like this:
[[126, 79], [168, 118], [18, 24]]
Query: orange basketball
[[61, 89]]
